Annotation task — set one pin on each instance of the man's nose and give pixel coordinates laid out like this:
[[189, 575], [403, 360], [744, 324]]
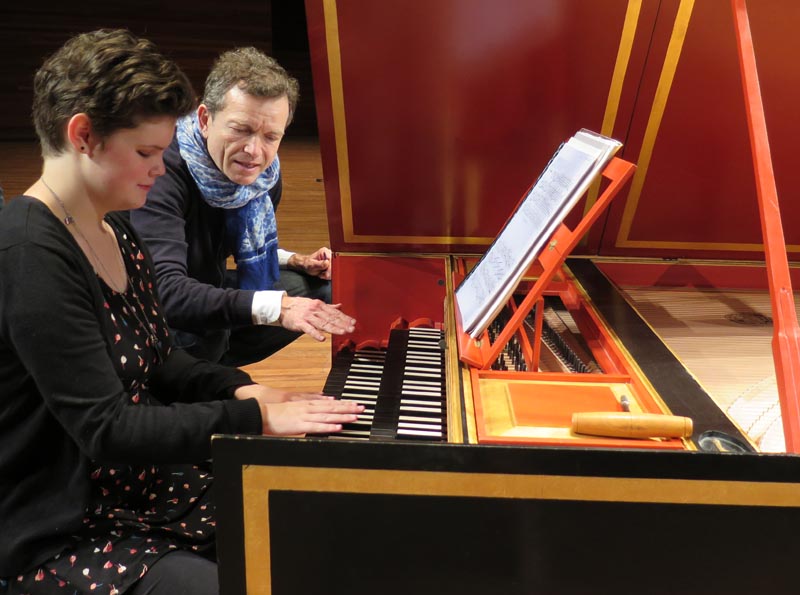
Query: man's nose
[[254, 145]]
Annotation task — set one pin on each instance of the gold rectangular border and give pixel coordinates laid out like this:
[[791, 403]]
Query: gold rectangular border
[[666, 78], [333, 47], [629, 31], [259, 480]]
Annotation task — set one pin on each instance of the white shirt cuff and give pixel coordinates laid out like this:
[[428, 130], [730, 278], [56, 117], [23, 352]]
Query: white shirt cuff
[[266, 308], [283, 257]]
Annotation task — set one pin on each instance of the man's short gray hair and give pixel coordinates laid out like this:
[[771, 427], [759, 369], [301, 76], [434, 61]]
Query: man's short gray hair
[[253, 72]]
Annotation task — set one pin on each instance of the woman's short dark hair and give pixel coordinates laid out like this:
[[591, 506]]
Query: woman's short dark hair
[[253, 72], [114, 77]]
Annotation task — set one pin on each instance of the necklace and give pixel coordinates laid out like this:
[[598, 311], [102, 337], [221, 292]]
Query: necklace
[[145, 324], [69, 220]]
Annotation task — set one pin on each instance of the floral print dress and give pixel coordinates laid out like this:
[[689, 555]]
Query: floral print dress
[[138, 513]]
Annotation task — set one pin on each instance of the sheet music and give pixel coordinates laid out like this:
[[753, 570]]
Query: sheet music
[[565, 179]]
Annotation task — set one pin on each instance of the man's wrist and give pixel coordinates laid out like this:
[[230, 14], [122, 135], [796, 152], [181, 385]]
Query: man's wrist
[[285, 258], [266, 308]]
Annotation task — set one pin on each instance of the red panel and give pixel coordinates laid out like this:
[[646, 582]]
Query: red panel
[[453, 107], [699, 186], [777, 45], [379, 290]]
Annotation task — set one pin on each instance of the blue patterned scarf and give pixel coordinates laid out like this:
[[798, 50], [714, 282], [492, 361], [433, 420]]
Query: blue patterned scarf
[[249, 217]]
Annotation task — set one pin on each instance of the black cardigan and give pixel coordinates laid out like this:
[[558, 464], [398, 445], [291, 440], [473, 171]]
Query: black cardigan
[[61, 402]]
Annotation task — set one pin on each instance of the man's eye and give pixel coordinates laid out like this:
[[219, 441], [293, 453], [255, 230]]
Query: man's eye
[[144, 153]]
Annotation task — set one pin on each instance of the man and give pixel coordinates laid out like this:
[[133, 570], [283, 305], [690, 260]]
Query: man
[[217, 199]]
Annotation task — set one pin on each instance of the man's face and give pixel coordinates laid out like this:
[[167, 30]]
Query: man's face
[[243, 138]]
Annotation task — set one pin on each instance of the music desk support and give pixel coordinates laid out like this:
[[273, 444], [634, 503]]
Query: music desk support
[[481, 352]]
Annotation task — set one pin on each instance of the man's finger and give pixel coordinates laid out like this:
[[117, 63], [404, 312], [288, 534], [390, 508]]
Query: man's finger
[[313, 332]]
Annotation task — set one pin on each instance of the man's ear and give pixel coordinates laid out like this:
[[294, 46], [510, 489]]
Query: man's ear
[[204, 119], [80, 134]]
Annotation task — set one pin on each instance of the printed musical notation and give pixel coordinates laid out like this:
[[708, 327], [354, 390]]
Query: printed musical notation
[[566, 178]]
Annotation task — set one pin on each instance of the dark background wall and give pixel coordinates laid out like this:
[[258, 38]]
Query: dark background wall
[[192, 32]]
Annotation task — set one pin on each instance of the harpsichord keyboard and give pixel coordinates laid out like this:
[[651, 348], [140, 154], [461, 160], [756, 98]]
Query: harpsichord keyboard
[[401, 387]]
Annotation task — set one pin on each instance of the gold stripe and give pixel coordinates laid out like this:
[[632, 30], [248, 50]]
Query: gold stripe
[[258, 574], [700, 262], [469, 403], [617, 81], [337, 106], [258, 481], [455, 429], [728, 246], [656, 114], [477, 241], [434, 240]]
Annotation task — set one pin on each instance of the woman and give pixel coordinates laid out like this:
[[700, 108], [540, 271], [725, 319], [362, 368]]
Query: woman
[[104, 428]]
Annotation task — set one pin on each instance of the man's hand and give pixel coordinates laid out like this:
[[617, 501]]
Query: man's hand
[[314, 317], [316, 265]]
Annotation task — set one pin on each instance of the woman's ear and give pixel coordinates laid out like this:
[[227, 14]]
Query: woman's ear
[[80, 135]]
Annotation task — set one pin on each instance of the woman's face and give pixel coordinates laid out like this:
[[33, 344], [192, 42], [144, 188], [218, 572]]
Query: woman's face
[[123, 167]]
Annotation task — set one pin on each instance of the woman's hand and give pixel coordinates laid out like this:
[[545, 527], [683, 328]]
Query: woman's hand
[[287, 413], [266, 394], [307, 416]]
